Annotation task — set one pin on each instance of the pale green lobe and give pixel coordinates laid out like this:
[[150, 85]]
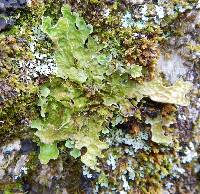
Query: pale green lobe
[[75, 153], [69, 144], [157, 131], [136, 71], [158, 135], [51, 134], [77, 75], [175, 94], [70, 34], [43, 104], [94, 148], [36, 124], [110, 100], [44, 91], [48, 152]]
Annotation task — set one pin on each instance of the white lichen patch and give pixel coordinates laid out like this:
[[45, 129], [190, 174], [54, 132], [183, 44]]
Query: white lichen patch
[[106, 12], [134, 143], [156, 13], [190, 153], [177, 171], [144, 12], [127, 20], [131, 173], [112, 161], [11, 147], [86, 172], [20, 167], [172, 67], [125, 183], [160, 14], [41, 62]]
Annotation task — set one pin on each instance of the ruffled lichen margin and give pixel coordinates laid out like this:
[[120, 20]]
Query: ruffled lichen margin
[[78, 114]]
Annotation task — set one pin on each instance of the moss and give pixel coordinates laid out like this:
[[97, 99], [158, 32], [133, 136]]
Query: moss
[[11, 188], [53, 9], [15, 116], [19, 98]]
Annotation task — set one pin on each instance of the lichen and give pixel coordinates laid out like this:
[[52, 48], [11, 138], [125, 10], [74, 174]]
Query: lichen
[[79, 68]]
